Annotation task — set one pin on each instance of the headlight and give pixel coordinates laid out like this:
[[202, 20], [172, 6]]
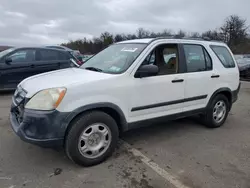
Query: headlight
[[47, 99]]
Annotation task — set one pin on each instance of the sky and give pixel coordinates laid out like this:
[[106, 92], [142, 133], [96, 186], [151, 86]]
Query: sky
[[42, 22]]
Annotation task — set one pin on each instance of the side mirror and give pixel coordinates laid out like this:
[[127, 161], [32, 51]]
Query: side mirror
[[8, 60], [147, 71]]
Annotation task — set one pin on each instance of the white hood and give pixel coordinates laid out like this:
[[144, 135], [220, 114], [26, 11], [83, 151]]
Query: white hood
[[60, 78]]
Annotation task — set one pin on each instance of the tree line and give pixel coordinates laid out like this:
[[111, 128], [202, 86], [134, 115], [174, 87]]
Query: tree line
[[234, 31]]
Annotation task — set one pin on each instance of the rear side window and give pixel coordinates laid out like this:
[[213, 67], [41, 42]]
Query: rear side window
[[63, 56], [224, 56], [197, 58], [48, 55]]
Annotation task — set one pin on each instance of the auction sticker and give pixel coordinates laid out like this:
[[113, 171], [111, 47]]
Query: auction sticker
[[129, 49]]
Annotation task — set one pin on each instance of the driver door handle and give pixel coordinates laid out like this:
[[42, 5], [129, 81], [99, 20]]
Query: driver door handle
[[177, 80], [215, 76]]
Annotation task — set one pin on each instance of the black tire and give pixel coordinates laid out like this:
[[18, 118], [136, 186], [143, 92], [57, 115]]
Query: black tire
[[82, 122], [208, 119]]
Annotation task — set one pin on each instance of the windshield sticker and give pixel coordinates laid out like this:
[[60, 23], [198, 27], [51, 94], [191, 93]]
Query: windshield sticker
[[129, 49]]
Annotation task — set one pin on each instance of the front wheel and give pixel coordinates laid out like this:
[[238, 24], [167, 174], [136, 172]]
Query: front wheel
[[217, 112], [92, 138]]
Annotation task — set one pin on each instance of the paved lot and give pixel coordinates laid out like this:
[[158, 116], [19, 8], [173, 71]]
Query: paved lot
[[187, 154]]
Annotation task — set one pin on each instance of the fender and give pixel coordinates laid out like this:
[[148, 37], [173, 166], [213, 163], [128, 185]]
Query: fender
[[123, 123], [219, 91]]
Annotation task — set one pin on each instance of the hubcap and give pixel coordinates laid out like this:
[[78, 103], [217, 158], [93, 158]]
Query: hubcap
[[94, 140], [219, 111]]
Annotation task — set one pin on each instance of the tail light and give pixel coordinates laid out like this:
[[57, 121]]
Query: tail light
[[79, 62]]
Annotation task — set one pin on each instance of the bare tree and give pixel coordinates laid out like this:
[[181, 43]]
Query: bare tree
[[118, 38], [234, 30], [107, 38], [180, 34], [142, 33], [195, 35], [213, 35]]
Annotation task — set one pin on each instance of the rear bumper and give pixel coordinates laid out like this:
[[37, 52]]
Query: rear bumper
[[43, 128], [235, 94]]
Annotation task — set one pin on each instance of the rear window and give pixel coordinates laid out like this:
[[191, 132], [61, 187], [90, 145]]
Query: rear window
[[48, 55], [224, 56], [63, 56]]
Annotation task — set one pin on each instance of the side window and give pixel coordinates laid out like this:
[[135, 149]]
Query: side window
[[63, 56], [224, 56], [197, 58], [165, 57], [48, 55], [23, 56], [208, 60]]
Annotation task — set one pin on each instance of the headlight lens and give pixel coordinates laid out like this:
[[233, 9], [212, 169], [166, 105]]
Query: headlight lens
[[47, 99]]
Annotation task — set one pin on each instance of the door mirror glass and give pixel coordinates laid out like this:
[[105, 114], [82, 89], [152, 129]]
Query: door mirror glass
[[8, 60], [147, 71]]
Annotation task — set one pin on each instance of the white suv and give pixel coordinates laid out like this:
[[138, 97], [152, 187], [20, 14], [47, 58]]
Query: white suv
[[128, 84]]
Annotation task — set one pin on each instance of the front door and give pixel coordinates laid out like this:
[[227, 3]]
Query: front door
[[162, 94], [18, 68]]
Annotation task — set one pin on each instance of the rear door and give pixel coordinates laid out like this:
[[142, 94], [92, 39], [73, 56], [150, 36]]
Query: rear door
[[46, 60], [229, 71], [19, 67], [64, 59], [199, 72]]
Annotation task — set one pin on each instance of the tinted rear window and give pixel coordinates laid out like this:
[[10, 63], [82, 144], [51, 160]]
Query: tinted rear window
[[63, 56], [49, 55], [224, 56]]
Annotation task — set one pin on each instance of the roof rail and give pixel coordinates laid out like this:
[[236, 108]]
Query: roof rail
[[186, 38]]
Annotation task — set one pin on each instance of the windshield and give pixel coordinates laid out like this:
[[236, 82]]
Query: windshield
[[6, 52], [115, 59]]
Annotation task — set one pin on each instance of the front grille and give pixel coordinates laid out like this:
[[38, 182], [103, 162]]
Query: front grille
[[19, 95], [19, 101], [19, 112]]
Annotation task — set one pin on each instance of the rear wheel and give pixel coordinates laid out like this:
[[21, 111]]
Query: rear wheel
[[92, 138], [217, 111]]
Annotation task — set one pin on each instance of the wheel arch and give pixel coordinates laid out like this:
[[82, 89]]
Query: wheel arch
[[113, 110], [225, 91]]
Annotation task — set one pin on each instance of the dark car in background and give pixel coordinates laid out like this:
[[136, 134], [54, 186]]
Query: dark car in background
[[243, 62], [17, 64], [86, 57], [75, 53]]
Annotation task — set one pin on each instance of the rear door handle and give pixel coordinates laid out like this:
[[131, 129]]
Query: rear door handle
[[215, 76], [177, 80], [32, 66]]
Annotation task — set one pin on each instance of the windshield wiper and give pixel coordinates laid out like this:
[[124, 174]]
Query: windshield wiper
[[93, 69]]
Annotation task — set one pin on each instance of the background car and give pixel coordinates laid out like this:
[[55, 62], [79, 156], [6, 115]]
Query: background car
[[243, 62], [17, 64], [75, 53], [86, 57]]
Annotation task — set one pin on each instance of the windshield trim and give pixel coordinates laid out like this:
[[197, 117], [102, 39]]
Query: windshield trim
[[116, 73]]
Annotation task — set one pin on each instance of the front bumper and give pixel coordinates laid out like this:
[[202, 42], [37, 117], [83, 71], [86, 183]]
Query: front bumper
[[43, 128]]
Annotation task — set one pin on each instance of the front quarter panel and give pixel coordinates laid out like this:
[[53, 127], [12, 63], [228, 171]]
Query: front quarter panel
[[113, 91]]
